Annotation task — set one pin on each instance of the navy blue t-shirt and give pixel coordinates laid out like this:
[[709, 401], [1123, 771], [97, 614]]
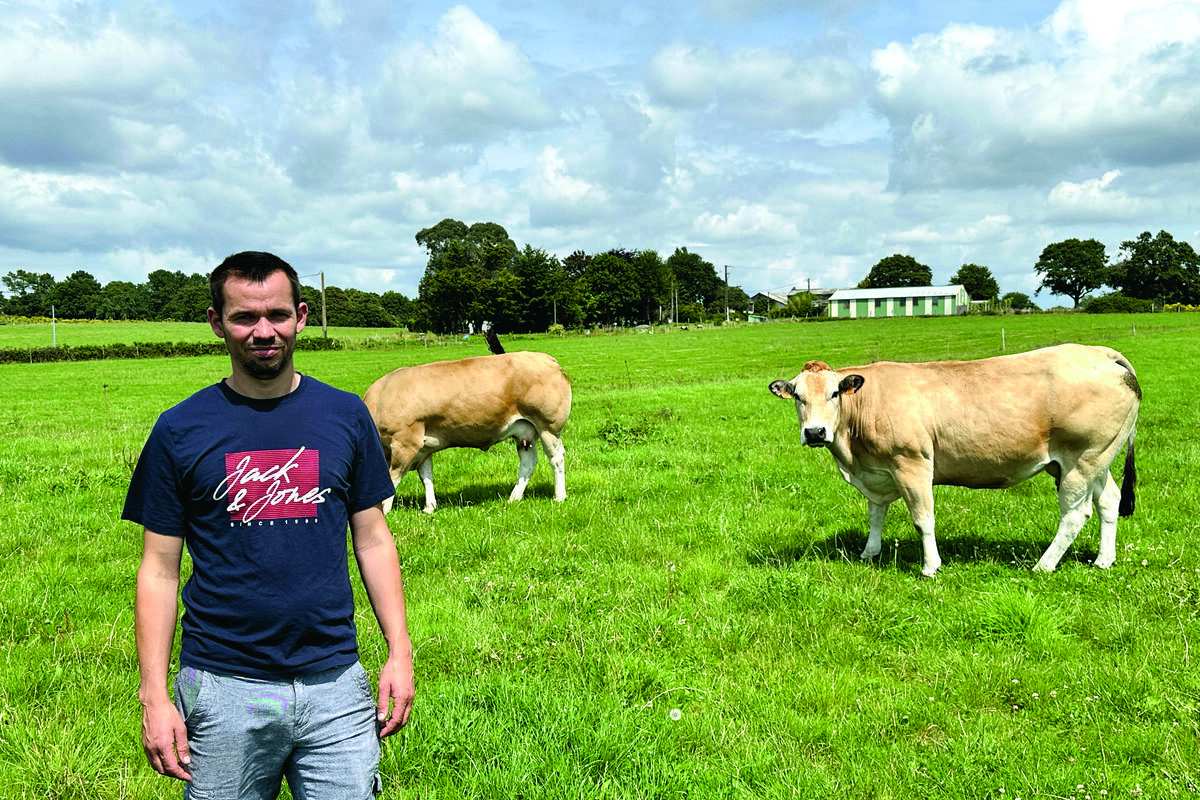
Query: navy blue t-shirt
[[262, 491]]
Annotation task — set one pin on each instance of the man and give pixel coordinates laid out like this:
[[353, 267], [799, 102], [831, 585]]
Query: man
[[260, 475]]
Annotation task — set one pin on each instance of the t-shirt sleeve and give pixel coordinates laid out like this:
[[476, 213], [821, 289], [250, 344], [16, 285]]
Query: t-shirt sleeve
[[153, 500], [372, 482]]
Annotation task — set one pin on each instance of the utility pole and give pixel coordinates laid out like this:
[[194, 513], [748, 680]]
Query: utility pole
[[324, 327], [726, 293]]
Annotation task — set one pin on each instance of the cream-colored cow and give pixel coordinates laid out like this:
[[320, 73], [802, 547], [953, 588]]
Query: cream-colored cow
[[473, 402], [896, 430]]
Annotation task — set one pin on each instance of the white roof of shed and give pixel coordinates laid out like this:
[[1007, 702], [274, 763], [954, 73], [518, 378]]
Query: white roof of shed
[[900, 291]]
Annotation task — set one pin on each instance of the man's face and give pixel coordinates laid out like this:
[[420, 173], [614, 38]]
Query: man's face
[[259, 325]]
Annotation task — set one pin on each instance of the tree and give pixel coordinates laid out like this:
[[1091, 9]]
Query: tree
[[576, 264], [500, 302], [399, 308], [448, 295], [435, 239], [542, 280], [977, 280], [738, 301], [897, 271], [77, 297], [695, 279], [654, 284], [462, 261], [799, 305], [337, 307], [124, 300], [1158, 268], [363, 310], [162, 286], [611, 284], [1072, 268], [1019, 301], [27, 293], [190, 302]]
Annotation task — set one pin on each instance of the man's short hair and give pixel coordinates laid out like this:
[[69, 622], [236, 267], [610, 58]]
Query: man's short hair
[[252, 266]]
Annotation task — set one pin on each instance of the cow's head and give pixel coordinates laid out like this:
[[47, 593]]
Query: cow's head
[[818, 392]]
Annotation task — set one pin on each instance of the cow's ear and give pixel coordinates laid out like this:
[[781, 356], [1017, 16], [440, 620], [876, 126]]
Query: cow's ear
[[783, 389], [850, 384]]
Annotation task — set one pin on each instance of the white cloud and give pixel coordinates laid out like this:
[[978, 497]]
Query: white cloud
[[467, 85], [973, 105], [556, 197], [1094, 200], [755, 86], [747, 221], [985, 230], [91, 96]]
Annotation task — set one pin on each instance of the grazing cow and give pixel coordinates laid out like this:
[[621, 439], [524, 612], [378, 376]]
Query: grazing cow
[[896, 430], [473, 402]]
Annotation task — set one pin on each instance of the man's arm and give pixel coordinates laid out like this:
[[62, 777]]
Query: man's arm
[[156, 610], [375, 552]]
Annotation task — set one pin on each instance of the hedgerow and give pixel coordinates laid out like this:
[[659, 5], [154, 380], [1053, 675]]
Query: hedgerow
[[99, 352]]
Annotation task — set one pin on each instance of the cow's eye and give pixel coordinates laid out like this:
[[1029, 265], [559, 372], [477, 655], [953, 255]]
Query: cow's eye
[[834, 396]]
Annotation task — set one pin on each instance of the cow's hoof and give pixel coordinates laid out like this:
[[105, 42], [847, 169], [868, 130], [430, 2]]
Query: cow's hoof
[[1103, 563], [1040, 567]]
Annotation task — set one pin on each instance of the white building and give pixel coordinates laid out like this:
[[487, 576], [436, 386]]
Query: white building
[[909, 301]]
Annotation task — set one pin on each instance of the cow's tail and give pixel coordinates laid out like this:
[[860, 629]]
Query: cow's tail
[[1129, 481], [493, 342]]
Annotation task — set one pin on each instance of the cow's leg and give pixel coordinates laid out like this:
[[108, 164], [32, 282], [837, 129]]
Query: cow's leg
[[401, 450], [525, 435], [1074, 510], [915, 481], [527, 451], [558, 460], [876, 514], [425, 472], [1108, 500]]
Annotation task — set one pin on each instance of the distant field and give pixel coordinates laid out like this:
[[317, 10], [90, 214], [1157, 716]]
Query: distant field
[[693, 621]]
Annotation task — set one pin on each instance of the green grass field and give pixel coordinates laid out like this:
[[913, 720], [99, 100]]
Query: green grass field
[[693, 621]]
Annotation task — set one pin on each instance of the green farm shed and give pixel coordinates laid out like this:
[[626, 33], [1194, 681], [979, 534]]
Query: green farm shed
[[908, 301]]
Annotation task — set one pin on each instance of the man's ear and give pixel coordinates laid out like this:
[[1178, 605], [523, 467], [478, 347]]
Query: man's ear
[[214, 322], [301, 316]]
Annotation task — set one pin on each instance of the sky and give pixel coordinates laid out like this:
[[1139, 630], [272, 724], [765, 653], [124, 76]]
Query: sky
[[793, 143]]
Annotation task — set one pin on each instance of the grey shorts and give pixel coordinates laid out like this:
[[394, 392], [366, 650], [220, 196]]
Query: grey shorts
[[245, 735]]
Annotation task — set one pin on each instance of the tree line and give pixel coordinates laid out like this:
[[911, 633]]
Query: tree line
[[476, 275], [174, 296]]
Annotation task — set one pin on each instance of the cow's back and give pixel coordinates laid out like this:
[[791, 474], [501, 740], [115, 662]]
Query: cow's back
[[480, 393], [994, 421]]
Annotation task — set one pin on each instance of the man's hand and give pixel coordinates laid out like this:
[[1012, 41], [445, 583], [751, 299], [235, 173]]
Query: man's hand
[[164, 738], [396, 692]]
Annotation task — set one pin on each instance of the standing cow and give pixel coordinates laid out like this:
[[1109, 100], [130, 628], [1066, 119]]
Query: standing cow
[[896, 430], [473, 402]]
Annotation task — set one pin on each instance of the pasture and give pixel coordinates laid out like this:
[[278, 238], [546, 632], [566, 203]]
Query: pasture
[[693, 621]]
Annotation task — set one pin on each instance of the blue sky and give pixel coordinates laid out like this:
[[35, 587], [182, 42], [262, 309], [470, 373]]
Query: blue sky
[[796, 143]]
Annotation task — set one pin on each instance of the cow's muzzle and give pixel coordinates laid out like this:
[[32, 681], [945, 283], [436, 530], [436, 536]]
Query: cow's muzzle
[[816, 437]]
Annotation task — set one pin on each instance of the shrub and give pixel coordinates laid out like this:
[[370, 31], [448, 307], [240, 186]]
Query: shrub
[[1117, 303]]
